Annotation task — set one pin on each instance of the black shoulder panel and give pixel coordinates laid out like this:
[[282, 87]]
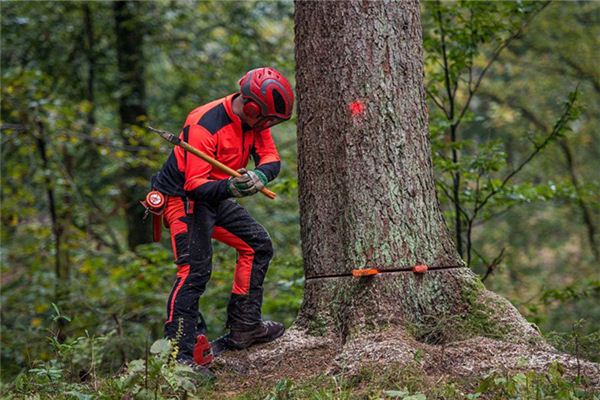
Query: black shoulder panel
[[169, 179], [186, 138], [215, 119], [186, 133]]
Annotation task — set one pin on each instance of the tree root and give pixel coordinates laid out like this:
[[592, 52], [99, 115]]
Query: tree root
[[445, 323]]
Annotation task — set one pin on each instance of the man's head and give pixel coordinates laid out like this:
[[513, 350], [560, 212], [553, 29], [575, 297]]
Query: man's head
[[267, 97]]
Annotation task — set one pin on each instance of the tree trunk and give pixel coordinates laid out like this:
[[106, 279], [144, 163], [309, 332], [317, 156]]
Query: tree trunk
[[367, 190], [60, 228], [130, 36], [90, 55], [367, 193], [586, 213], [367, 200]]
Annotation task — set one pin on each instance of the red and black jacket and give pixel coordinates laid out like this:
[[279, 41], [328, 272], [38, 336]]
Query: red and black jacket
[[215, 130]]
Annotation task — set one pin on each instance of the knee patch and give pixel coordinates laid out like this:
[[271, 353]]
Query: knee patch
[[264, 248]]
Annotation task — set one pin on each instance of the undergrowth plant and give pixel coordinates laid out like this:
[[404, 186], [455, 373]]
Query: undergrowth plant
[[411, 382], [71, 374]]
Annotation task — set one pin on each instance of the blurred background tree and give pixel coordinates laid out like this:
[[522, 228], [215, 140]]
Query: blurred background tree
[[74, 158]]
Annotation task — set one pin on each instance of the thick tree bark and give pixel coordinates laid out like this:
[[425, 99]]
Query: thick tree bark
[[367, 193], [130, 35], [366, 180]]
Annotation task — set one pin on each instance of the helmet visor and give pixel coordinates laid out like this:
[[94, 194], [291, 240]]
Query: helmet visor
[[267, 122]]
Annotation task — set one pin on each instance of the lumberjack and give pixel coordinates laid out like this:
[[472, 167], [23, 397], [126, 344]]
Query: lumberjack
[[198, 207]]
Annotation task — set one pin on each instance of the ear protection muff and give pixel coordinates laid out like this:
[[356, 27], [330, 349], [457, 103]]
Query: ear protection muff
[[251, 109]]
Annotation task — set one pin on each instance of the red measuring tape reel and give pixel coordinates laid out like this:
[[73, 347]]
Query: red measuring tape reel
[[155, 201], [155, 204]]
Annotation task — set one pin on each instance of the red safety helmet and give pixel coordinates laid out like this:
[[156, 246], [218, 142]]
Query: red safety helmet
[[267, 95]]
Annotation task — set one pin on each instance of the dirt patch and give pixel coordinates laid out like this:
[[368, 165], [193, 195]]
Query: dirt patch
[[296, 355]]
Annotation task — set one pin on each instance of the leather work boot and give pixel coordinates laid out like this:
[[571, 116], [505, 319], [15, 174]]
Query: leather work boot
[[265, 332]]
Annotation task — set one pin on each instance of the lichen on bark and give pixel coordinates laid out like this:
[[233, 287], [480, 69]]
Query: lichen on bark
[[438, 307]]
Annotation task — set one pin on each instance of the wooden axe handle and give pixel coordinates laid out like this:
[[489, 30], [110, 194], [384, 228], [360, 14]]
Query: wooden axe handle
[[169, 137]]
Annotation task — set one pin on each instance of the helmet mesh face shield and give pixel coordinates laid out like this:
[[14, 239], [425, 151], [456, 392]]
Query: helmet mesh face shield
[[267, 122], [268, 97]]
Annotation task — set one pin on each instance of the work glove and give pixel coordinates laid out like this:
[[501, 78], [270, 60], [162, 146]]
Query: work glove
[[247, 184]]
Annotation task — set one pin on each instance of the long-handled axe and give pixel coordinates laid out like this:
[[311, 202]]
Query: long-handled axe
[[169, 137]]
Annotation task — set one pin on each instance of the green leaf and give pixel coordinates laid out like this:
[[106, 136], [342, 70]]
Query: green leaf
[[79, 395], [187, 385], [161, 347], [520, 379], [522, 362], [395, 394], [499, 381], [418, 396], [136, 366]]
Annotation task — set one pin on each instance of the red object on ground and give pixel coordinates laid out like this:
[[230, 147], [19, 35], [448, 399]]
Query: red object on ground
[[420, 269], [364, 272], [203, 354]]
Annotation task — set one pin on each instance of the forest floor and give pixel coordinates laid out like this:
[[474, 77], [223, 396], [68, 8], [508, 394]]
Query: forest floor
[[298, 357], [390, 364]]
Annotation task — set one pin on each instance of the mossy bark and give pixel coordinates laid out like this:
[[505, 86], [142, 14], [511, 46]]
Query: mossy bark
[[438, 307], [367, 192]]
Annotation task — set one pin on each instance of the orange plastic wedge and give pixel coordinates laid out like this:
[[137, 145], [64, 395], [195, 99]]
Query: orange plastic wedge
[[420, 269], [364, 272]]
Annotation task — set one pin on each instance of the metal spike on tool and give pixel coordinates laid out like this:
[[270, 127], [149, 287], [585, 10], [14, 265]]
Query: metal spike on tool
[[168, 136]]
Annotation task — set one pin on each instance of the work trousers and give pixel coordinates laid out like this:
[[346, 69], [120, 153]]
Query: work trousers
[[227, 222]]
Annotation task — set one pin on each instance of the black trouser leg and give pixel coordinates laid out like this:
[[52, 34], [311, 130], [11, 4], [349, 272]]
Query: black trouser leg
[[244, 309], [185, 321]]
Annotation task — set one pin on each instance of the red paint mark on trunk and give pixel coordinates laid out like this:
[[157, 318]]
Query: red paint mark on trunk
[[357, 108]]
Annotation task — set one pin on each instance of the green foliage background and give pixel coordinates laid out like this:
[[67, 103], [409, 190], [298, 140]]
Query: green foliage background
[[194, 52]]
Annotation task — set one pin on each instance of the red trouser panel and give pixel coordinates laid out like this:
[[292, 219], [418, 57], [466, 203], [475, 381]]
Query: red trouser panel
[[174, 211], [243, 267], [182, 273]]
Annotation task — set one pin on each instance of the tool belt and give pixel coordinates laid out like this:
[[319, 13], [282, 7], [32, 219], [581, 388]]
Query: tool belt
[[155, 203]]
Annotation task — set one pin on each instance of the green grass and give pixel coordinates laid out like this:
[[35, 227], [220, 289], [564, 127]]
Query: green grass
[[166, 380]]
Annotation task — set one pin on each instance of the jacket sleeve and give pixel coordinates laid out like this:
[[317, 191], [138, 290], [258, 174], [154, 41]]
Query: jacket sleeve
[[197, 184], [265, 155]]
